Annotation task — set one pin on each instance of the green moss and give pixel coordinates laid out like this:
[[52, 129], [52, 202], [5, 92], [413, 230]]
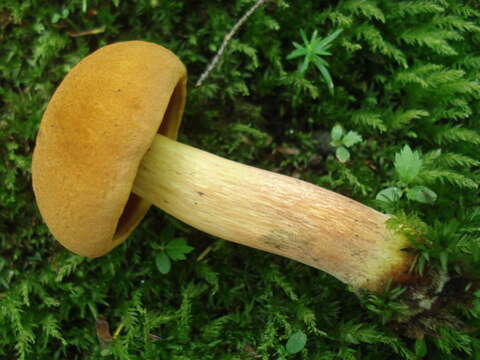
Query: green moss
[[405, 72]]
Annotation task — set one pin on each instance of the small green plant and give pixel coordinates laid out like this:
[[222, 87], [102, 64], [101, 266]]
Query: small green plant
[[312, 51], [342, 140], [421, 349], [172, 249], [60, 15], [296, 343], [408, 164], [387, 305]]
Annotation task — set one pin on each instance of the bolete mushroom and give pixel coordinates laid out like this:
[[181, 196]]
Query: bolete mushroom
[[106, 150]]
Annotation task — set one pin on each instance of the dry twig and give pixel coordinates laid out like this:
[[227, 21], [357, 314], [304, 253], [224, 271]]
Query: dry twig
[[226, 39]]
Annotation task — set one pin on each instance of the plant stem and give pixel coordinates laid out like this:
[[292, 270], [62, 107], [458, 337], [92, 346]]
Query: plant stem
[[274, 213]]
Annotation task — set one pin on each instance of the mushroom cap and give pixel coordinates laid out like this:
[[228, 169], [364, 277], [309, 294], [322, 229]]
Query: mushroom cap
[[94, 133]]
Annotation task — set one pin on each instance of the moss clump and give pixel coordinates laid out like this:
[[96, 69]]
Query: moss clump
[[405, 72]]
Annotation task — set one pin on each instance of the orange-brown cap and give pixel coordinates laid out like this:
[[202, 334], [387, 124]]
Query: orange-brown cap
[[95, 131]]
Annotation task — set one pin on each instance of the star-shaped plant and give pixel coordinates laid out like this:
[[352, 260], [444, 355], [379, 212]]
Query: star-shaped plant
[[312, 51]]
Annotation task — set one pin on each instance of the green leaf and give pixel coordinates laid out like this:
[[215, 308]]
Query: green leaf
[[314, 36], [296, 53], [327, 40], [389, 194], [407, 164], [56, 17], [351, 138], [422, 194], [326, 75], [106, 352], [163, 263], [342, 154], [303, 66], [296, 342], [177, 248], [304, 37], [420, 348], [443, 256], [336, 133], [321, 62]]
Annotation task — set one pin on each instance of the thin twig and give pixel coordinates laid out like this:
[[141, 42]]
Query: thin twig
[[87, 32], [226, 39], [117, 332], [204, 253]]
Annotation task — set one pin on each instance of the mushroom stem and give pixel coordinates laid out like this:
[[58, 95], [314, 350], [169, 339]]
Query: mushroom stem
[[272, 212]]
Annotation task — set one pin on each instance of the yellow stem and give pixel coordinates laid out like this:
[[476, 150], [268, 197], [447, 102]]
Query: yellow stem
[[272, 212]]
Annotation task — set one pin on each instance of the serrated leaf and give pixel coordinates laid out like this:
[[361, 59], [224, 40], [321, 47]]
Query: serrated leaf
[[163, 263], [177, 248], [337, 132], [351, 138], [389, 194], [342, 154], [407, 164], [296, 342], [422, 194]]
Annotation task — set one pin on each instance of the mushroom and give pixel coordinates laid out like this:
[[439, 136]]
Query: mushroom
[[106, 150]]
